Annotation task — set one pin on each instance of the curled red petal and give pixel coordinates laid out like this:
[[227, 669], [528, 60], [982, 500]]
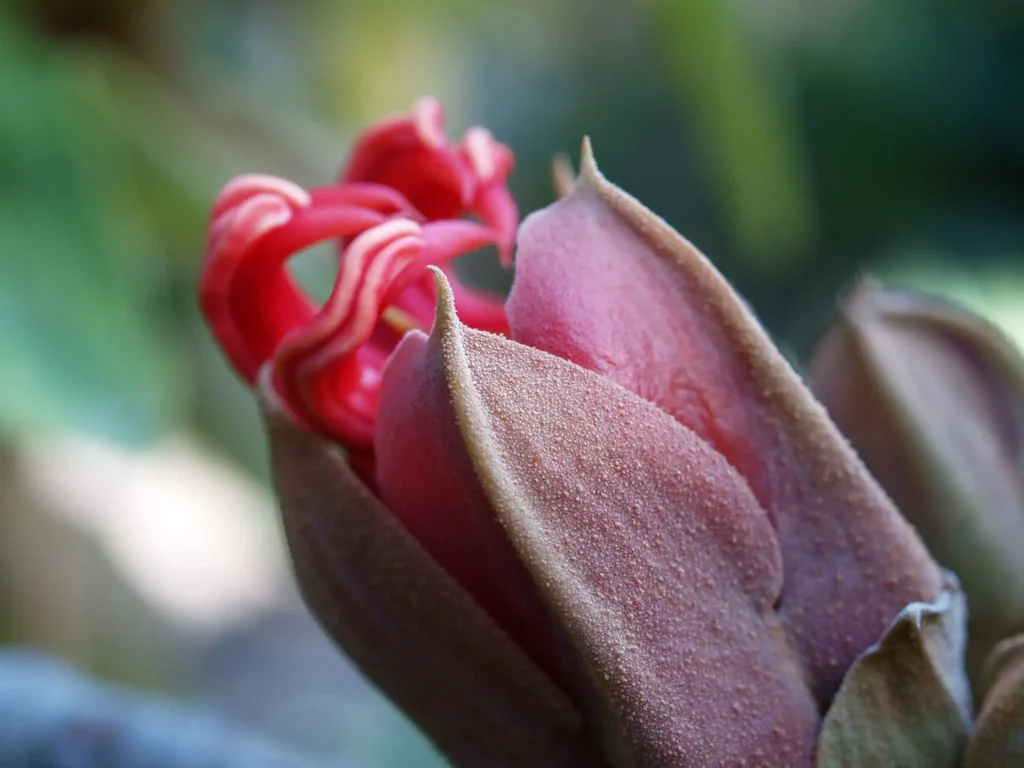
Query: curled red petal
[[247, 185], [376, 197], [410, 153], [248, 209], [477, 309], [436, 182], [245, 292], [317, 368], [443, 242], [423, 127], [492, 162], [413, 292], [498, 210], [265, 303]]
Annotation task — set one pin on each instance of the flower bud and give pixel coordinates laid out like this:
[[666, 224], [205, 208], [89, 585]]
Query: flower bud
[[999, 737], [932, 397], [618, 532]]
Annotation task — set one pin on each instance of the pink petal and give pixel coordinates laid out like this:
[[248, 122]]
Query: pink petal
[[604, 283], [532, 480]]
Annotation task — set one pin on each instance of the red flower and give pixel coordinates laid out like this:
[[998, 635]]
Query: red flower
[[396, 210], [625, 534]]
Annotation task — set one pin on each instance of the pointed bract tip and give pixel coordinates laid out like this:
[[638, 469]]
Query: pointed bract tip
[[270, 401], [590, 175], [445, 313], [563, 177], [858, 300]]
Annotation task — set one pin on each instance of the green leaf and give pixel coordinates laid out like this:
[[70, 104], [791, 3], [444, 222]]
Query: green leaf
[[80, 341], [746, 123], [906, 700]]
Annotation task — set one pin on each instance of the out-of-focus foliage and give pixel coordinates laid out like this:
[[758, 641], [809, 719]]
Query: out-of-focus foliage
[[78, 343], [797, 144], [794, 144], [745, 121], [50, 716]]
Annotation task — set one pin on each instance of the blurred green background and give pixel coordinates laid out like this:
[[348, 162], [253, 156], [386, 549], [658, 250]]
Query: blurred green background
[[798, 144]]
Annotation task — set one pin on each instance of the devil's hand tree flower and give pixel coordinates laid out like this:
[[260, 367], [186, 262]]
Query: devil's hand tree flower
[[604, 524]]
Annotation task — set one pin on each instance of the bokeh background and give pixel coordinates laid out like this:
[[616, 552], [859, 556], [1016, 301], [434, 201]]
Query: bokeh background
[[797, 143]]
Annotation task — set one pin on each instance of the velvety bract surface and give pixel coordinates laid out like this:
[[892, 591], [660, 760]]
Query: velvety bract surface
[[932, 397], [408, 625], [603, 282], [648, 546]]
